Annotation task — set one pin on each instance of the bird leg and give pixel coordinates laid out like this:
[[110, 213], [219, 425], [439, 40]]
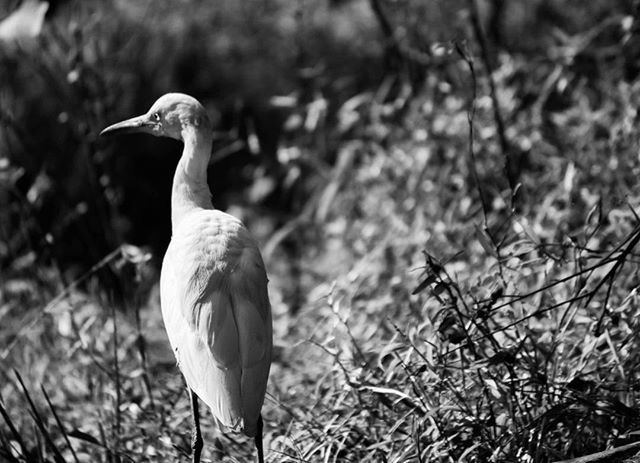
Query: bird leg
[[196, 436], [258, 441]]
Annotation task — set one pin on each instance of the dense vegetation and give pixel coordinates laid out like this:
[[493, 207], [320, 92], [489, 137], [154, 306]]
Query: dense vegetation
[[445, 192]]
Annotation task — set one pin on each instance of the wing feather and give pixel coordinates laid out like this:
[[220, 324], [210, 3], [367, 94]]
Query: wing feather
[[216, 309]]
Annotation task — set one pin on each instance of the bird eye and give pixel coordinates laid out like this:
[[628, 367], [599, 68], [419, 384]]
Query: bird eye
[[156, 116]]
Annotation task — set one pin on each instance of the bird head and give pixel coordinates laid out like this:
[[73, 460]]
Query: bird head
[[169, 116]]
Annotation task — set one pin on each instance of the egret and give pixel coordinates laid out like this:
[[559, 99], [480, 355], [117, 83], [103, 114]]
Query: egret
[[213, 283]]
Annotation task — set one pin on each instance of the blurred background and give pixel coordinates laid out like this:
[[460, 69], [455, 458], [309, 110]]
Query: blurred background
[[359, 140], [275, 75], [268, 72]]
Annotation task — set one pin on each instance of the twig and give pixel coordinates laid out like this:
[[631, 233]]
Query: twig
[[497, 115], [387, 28], [616, 453], [471, 112], [400, 49], [463, 52], [632, 240]]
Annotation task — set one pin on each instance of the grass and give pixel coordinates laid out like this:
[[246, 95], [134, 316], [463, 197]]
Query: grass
[[423, 309]]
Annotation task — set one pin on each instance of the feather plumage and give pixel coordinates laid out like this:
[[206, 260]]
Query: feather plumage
[[216, 308], [213, 284]]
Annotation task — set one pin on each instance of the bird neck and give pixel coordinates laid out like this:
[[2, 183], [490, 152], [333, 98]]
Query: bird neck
[[190, 188]]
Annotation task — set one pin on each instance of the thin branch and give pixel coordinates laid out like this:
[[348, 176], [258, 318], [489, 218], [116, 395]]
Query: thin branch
[[617, 453], [497, 115], [400, 49], [471, 112]]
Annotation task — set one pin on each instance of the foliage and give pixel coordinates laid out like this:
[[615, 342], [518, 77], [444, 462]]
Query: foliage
[[449, 282]]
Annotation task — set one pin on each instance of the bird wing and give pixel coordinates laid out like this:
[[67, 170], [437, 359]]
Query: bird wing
[[217, 314]]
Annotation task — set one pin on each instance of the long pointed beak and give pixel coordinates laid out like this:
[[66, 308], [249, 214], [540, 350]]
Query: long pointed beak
[[135, 124]]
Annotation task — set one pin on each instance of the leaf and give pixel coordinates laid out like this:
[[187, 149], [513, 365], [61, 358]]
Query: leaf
[[496, 294], [387, 391], [284, 101], [84, 436], [339, 176], [25, 23], [504, 356], [485, 241], [384, 392], [440, 287], [426, 282], [134, 254], [493, 388]]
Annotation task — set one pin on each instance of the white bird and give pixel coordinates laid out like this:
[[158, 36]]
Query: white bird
[[213, 284]]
